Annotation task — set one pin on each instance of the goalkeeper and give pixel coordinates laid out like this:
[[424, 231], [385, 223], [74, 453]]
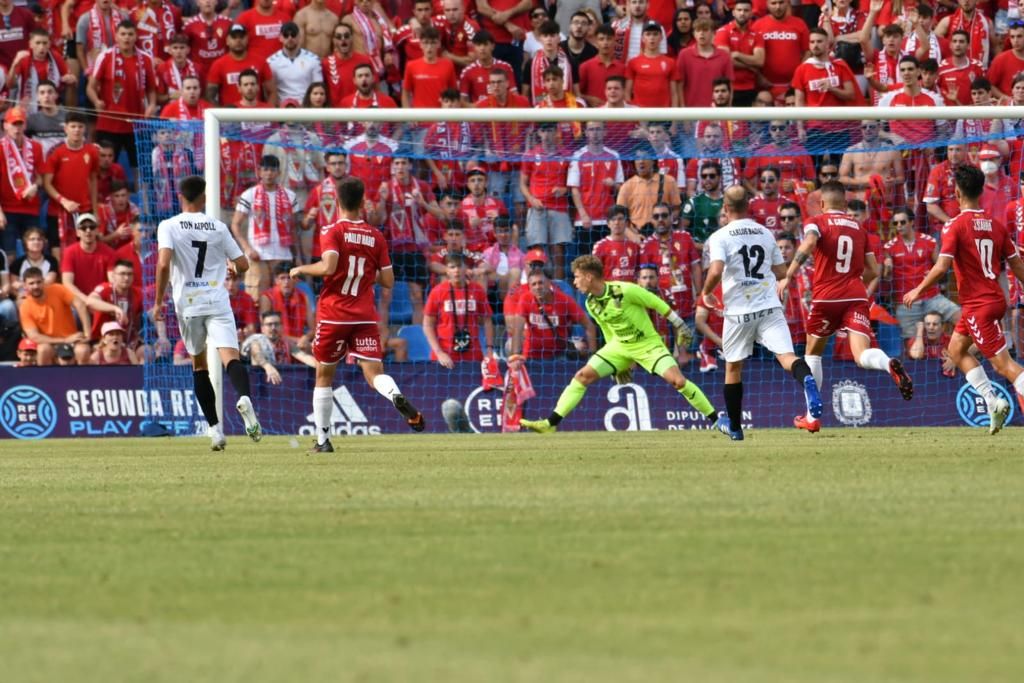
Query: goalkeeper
[[620, 309]]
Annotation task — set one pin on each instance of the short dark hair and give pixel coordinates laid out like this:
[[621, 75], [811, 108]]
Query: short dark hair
[[270, 314], [607, 30], [788, 236], [46, 81], [549, 28], [621, 80], [192, 187], [970, 180], [127, 23], [929, 65], [818, 31], [117, 186], [791, 205], [553, 70], [32, 272], [350, 193], [451, 94], [456, 258], [125, 263], [910, 58], [430, 33], [618, 210], [981, 83], [893, 30], [727, 82], [79, 117], [40, 32], [481, 37]]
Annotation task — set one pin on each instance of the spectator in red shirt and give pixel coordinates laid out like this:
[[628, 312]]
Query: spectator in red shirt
[[1008, 63], [118, 300], [617, 252], [652, 78], [595, 71], [406, 38], [882, 68], [109, 171], [17, 23], [426, 78], [66, 167], [823, 82], [456, 33], [224, 78], [700, 65], [939, 195], [745, 48], [479, 211], [85, 265], [263, 23], [122, 88], [21, 160], [543, 320], [958, 71], [474, 80], [116, 217], [31, 67], [594, 177], [339, 66], [786, 155], [930, 342], [765, 206], [785, 45], [207, 33], [242, 306], [453, 315], [296, 313], [542, 180]]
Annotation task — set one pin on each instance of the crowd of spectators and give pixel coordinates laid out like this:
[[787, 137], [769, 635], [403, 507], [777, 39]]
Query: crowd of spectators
[[481, 219]]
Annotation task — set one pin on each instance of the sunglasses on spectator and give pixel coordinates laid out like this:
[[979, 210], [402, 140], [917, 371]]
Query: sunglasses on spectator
[[778, 127], [660, 215], [708, 176], [826, 174], [539, 15], [290, 34], [87, 227]]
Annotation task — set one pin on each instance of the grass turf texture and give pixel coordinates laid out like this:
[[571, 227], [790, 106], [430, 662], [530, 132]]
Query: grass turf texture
[[853, 555]]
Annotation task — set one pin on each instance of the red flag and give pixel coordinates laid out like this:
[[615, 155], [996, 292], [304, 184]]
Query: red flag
[[518, 390], [490, 374]]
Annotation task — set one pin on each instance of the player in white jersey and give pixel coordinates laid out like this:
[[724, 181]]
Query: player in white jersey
[[193, 257], [746, 260]]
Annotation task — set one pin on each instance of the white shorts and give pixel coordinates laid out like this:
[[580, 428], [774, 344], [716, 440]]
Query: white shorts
[[217, 329], [768, 328]]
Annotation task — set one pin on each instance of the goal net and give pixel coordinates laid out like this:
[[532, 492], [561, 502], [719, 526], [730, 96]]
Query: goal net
[[519, 193]]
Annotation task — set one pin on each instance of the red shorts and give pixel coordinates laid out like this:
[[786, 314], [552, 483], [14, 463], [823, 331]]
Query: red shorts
[[333, 342], [825, 318], [983, 324]]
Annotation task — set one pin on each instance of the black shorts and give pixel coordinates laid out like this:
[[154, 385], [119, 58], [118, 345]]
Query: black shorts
[[410, 266]]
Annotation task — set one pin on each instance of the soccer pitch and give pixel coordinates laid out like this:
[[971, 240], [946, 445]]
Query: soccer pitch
[[852, 555]]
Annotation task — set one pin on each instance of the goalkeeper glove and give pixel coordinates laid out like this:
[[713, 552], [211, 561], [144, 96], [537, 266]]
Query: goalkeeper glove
[[684, 336], [624, 376]]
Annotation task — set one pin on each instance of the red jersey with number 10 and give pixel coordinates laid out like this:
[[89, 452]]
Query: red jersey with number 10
[[347, 294], [838, 257], [978, 246]]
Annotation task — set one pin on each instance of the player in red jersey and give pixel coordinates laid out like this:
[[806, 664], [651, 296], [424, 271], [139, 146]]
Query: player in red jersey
[[843, 265], [617, 253], [355, 257], [977, 246]]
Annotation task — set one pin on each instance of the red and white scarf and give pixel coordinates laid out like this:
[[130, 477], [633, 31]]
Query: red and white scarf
[[327, 207], [541, 62], [169, 166], [26, 89], [238, 163], [101, 32], [261, 221], [623, 28], [162, 23], [118, 74], [978, 29], [518, 390], [176, 75], [20, 163], [404, 217]]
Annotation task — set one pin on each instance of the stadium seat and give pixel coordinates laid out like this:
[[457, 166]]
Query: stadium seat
[[400, 312], [419, 349], [889, 340], [304, 287]]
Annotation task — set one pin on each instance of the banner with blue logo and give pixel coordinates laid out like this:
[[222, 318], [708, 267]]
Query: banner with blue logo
[[36, 403]]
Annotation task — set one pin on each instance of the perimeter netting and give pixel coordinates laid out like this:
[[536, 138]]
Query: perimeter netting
[[452, 186]]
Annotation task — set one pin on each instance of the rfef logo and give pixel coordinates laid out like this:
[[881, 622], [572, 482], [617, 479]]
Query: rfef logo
[[27, 412], [972, 407]]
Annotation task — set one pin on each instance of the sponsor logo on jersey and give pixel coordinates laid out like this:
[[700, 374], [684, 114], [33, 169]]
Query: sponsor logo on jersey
[[346, 417], [779, 35], [27, 412], [973, 410], [851, 403]]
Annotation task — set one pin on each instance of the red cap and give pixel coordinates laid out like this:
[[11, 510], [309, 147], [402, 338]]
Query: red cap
[[27, 344], [15, 115], [536, 254]]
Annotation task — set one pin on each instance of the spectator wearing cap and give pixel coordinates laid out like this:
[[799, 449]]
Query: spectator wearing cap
[[640, 193], [296, 313], [786, 45], [294, 68], [263, 22], [475, 78], [479, 211], [207, 34], [158, 21], [339, 66], [264, 225], [21, 160], [84, 265], [223, 82], [171, 73], [629, 28], [96, 31], [47, 318], [316, 23], [28, 353], [122, 88], [504, 260], [117, 300], [542, 180], [113, 348]]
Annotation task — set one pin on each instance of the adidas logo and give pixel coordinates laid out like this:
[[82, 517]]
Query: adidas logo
[[346, 418]]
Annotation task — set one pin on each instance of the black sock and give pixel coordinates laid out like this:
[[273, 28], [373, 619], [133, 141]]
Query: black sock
[[734, 404], [239, 377], [205, 395], [554, 418], [800, 370]]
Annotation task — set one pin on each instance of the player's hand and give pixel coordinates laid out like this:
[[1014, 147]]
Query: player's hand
[[624, 376], [157, 312], [295, 273], [782, 289], [710, 301], [444, 360], [684, 336], [273, 376], [910, 297]]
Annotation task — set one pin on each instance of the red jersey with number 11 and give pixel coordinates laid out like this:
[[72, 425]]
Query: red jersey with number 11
[[347, 294], [838, 257], [978, 246]]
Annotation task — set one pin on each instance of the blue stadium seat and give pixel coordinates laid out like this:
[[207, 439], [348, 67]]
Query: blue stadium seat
[[419, 349], [567, 287], [304, 287], [401, 308]]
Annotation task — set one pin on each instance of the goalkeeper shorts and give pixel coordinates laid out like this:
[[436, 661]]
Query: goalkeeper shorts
[[615, 356]]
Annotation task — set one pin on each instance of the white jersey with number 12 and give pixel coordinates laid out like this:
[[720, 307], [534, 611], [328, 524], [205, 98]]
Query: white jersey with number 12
[[749, 251], [202, 247]]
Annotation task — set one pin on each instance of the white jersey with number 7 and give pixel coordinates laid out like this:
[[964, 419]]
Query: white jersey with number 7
[[202, 247]]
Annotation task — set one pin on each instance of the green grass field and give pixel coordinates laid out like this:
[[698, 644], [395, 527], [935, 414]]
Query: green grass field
[[853, 555]]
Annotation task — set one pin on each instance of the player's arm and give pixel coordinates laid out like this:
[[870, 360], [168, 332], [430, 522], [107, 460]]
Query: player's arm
[[803, 252], [386, 277], [241, 264], [326, 266], [1016, 266], [937, 272], [871, 275], [163, 276], [713, 279]]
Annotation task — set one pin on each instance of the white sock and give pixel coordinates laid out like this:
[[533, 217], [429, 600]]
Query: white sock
[[1018, 384], [323, 405], [874, 359], [386, 387], [814, 363], [978, 378]]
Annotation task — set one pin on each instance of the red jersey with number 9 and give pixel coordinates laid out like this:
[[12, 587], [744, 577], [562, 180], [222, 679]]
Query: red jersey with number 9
[[978, 246], [838, 257], [347, 295]]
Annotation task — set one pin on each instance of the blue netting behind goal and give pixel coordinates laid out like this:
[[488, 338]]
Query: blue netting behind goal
[[895, 171]]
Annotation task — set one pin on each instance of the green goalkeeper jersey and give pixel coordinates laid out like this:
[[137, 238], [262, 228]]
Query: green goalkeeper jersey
[[621, 312]]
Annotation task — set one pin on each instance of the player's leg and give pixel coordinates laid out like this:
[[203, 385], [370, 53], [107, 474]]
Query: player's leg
[[221, 332], [959, 353], [193, 334], [365, 346], [606, 361], [323, 405], [737, 345], [773, 334], [1011, 370], [665, 366], [820, 326], [857, 321]]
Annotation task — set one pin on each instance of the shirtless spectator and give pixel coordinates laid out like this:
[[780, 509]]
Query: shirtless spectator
[[316, 23], [47, 318], [340, 65], [370, 32], [872, 156]]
